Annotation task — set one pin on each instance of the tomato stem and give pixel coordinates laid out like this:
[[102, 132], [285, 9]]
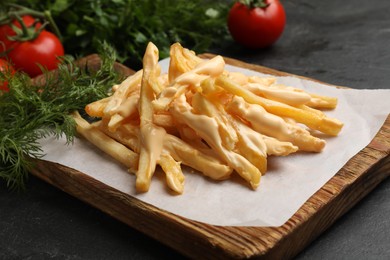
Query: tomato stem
[[25, 33], [52, 24], [20, 10], [254, 3]]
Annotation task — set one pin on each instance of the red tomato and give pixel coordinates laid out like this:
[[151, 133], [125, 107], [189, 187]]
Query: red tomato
[[5, 67], [256, 27], [43, 50], [6, 31]]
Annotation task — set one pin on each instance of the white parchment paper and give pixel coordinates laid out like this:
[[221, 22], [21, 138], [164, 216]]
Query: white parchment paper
[[289, 182]]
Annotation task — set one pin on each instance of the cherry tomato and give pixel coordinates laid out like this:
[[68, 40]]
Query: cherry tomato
[[5, 67], [43, 50], [256, 27], [6, 31]]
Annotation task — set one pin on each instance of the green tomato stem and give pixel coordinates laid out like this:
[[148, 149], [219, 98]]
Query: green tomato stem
[[25, 33], [52, 24], [22, 10], [254, 3]]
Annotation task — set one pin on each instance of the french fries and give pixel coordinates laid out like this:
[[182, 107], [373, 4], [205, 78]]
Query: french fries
[[205, 117]]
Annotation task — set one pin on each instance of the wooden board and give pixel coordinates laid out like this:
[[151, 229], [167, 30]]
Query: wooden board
[[357, 178]]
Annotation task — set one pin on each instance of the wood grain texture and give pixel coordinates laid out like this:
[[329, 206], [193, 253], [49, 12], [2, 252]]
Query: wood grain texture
[[357, 178]]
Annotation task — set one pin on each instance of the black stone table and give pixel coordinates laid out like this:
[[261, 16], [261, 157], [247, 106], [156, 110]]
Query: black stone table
[[340, 42]]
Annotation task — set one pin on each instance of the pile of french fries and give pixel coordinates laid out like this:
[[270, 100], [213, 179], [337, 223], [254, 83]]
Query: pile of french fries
[[202, 116]]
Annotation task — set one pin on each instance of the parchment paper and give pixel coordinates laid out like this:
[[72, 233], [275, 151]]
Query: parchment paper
[[288, 183]]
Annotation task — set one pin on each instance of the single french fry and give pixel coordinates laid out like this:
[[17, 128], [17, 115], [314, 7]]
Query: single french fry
[[154, 80], [181, 61], [151, 136], [238, 77], [277, 147], [96, 109], [322, 102], [108, 145], [283, 95], [315, 101], [265, 81], [188, 135], [166, 121], [126, 134], [174, 175]]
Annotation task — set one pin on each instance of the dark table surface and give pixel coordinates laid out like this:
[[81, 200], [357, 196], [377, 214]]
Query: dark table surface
[[340, 42]]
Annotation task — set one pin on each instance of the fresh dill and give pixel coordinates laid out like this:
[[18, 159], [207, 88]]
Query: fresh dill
[[32, 110]]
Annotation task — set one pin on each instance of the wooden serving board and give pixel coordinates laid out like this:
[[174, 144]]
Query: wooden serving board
[[357, 178]]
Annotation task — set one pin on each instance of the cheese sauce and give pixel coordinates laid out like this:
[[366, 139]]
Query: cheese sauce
[[260, 119], [207, 128]]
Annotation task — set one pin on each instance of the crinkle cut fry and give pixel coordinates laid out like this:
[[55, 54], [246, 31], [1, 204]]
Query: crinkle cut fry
[[105, 143], [151, 136], [315, 121]]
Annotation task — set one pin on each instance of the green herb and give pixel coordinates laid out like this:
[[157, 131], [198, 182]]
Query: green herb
[[33, 110], [129, 25]]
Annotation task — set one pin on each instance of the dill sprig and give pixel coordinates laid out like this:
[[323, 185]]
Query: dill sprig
[[32, 110]]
